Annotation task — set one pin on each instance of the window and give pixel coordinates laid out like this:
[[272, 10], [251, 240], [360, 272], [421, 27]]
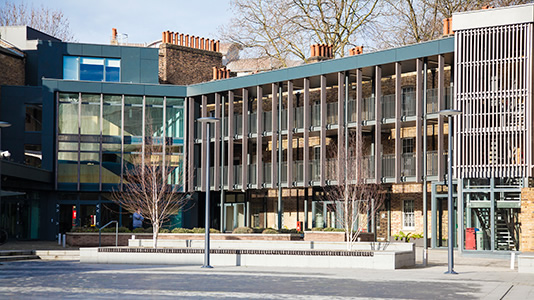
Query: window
[[408, 215], [34, 117], [91, 68], [33, 155], [408, 145]]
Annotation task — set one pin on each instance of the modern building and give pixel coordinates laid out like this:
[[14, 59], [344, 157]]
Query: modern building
[[100, 102]]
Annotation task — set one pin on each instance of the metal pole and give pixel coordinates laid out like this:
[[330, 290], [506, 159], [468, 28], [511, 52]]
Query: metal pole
[[1, 161], [425, 162], [280, 155], [207, 221], [223, 153], [450, 206]]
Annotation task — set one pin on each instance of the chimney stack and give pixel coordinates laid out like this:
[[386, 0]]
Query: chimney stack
[[447, 26], [356, 50], [220, 73]]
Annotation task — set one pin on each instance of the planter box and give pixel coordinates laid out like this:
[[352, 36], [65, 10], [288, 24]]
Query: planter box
[[335, 236], [385, 260], [90, 239]]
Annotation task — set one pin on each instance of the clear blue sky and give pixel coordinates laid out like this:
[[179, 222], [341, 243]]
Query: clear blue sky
[[143, 20]]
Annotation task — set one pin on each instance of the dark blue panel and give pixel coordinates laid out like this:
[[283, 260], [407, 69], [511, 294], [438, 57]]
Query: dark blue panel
[[150, 53], [79, 86], [149, 71], [120, 88], [130, 64], [73, 49], [91, 50], [91, 72], [111, 51]]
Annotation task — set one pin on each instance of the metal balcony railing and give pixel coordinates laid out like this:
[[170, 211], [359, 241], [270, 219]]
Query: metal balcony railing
[[331, 113], [408, 164], [331, 169], [316, 115], [315, 170], [298, 171], [267, 173], [388, 165], [368, 167], [368, 109], [408, 104], [267, 121], [388, 106], [238, 124], [299, 117], [252, 174], [431, 163], [253, 122], [352, 111], [238, 175]]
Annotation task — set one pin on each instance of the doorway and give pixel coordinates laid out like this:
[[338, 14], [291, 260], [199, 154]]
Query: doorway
[[234, 215]]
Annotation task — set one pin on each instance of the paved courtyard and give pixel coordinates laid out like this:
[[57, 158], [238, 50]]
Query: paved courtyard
[[55, 279]]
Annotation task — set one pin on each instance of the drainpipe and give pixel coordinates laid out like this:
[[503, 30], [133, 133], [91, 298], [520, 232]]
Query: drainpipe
[[425, 196], [280, 156], [222, 164]]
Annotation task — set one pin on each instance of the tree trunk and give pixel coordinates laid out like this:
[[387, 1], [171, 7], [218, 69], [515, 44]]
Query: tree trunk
[[155, 231]]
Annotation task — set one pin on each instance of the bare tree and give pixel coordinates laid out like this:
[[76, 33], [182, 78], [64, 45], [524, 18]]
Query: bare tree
[[354, 200], [285, 29], [404, 22], [154, 184], [50, 21]]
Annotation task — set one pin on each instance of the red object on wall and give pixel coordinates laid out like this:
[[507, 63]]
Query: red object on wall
[[299, 226], [470, 239]]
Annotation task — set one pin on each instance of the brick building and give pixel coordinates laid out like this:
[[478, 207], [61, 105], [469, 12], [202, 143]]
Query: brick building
[[93, 122]]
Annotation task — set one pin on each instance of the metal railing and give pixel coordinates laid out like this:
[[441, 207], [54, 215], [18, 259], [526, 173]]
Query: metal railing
[[253, 123], [252, 174], [431, 163], [116, 233], [408, 164], [368, 109], [267, 121], [368, 166], [388, 165], [299, 117], [388, 106], [237, 174], [298, 171], [408, 104], [266, 173], [331, 113]]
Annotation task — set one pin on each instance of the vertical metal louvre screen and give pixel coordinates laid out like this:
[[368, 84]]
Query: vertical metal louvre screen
[[494, 91]]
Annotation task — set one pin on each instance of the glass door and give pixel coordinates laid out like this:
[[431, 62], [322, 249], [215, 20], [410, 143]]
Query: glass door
[[234, 215]]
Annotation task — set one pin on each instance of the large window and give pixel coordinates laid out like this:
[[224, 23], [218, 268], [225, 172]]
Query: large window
[[91, 68], [98, 136], [408, 215], [34, 117]]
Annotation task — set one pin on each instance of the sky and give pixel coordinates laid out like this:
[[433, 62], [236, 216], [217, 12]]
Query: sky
[[142, 20]]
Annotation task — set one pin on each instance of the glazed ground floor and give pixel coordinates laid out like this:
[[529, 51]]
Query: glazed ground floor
[[491, 214]]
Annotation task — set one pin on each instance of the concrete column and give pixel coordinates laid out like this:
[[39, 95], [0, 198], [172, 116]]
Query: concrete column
[[205, 139], [398, 116], [378, 126], [217, 148], [341, 126], [189, 142], [290, 125], [274, 137], [306, 147], [323, 131], [244, 147], [231, 134], [259, 146], [441, 122], [420, 134], [359, 101]]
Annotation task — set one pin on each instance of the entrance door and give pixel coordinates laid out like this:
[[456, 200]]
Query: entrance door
[[67, 217], [440, 216], [234, 215]]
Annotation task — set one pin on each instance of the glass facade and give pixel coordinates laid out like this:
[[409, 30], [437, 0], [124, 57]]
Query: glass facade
[[91, 68], [99, 136]]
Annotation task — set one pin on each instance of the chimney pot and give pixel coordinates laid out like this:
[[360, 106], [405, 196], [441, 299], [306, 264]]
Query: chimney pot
[[181, 39], [201, 44], [208, 45], [197, 45], [214, 73], [176, 38], [114, 33], [217, 46]]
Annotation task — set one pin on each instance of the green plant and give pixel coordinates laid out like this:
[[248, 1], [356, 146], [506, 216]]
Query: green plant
[[241, 230], [403, 236], [417, 236], [332, 229], [124, 229], [213, 230], [182, 230], [138, 230], [269, 231], [198, 230], [258, 229], [317, 229], [164, 230]]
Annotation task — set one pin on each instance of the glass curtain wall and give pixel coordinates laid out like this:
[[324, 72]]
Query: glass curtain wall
[[98, 136]]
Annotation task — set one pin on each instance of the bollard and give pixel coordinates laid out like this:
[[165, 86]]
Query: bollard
[[64, 240], [425, 256], [59, 238], [133, 236], [512, 261]]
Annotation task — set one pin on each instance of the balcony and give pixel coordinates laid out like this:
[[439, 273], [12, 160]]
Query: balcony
[[315, 170], [388, 165], [267, 121], [432, 99], [368, 168], [298, 171], [238, 175], [252, 174], [431, 163], [368, 109], [267, 173], [408, 164], [253, 123], [331, 113], [388, 106], [299, 117]]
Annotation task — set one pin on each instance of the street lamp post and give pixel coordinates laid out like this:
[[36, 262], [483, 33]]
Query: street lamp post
[[208, 121], [2, 125], [450, 113]]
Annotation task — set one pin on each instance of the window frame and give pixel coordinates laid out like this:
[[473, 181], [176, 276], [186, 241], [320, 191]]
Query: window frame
[[406, 215], [105, 64]]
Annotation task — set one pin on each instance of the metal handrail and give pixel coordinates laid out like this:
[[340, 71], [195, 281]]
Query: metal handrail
[[116, 233]]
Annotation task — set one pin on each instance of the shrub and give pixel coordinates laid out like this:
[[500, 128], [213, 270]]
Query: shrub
[[285, 230], [213, 230], [182, 230], [258, 229], [270, 231], [109, 229], [317, 229], [138, 230], [241, 230], [124, 229], [164, 230], [198, 230]]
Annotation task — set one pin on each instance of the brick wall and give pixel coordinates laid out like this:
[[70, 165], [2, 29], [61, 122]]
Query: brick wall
[[184, 65], [12, 70], [526, 218], [411, 191]]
